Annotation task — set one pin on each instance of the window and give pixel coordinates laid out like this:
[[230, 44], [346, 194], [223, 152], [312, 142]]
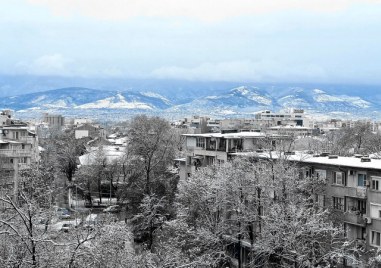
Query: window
[[361, 180], [376, 183], [375, 238], [339, 178], [200, 142], [320, 200], [361, 206], [375, 210], [338, 203], [320, 174]]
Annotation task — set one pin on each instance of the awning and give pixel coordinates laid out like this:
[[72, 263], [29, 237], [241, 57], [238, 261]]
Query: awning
[[198, 157]]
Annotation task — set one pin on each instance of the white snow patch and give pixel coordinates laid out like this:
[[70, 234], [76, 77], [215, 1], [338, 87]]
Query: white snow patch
[[157, 96], [292, 101], [57, 104], [38, 99], [116, 102], [355, 101], [260, 99], [318, 91], [244, 91], [226, 112], [213, 97], [326, 98]]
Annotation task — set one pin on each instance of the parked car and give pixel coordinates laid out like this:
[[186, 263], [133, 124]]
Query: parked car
[[66, 227], [112, 209], [63, 213]]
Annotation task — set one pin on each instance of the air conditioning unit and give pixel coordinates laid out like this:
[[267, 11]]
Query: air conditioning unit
[[368, 220]]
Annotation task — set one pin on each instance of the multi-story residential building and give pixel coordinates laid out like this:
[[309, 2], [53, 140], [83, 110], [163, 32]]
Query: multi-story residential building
[[209, 148], [54, 121], [294, 130], [196, 124], [352, 191], [18, 150], [5, 115], [295, 117]]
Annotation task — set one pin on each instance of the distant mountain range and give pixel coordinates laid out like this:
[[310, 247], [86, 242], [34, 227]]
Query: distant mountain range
[[238, 101]]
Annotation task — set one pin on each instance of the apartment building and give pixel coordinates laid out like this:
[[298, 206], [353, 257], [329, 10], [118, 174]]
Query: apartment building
[[210, 148], [293, 117], [54, 121], [352, 191], [18, 150]]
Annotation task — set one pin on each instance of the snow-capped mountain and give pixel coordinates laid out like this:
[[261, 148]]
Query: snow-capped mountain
[[84, 98], [237, 101]]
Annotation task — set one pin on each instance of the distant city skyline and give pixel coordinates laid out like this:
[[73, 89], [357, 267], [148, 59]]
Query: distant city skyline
[[278, 41]]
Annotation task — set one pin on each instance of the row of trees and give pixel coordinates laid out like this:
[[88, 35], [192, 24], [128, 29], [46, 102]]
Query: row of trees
[[346, 141], [262, 214]]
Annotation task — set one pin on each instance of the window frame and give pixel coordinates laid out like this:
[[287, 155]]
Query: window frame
[[373, 236], [338, 205], [200, 142], [364, 179], [343, 178], [376, 179]]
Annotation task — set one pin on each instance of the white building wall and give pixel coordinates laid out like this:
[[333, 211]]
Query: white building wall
[[79, 134]]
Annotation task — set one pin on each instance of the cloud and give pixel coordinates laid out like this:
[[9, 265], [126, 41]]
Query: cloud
[[206, 10], [250, 71], [59, 65], [52, 64]]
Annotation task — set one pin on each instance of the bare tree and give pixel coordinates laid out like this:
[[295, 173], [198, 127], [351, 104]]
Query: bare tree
[[151, 140]]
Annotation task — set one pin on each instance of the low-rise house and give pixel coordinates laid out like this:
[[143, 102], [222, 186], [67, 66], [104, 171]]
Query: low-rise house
[[88, 130]]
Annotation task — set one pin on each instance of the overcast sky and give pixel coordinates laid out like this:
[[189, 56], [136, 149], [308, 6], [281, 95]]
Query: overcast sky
[[324, 41]]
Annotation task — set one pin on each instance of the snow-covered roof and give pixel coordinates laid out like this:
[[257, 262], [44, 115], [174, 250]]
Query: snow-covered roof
[[111, 153], [112, 136], [290, 127], [323, 160], [238, 135]]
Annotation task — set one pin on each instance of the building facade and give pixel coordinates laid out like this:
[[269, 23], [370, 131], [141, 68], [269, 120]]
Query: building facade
[[352, 191], [18, 150], [216, 148]]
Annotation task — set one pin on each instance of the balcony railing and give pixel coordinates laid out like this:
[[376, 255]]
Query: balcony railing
[[25, 139], [354, 218], [361, 192], [15, 153]]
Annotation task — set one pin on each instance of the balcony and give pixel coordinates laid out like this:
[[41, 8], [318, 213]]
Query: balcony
[[361, 192], [23, 139], [15, 153], [356, 192], [354, 218]]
